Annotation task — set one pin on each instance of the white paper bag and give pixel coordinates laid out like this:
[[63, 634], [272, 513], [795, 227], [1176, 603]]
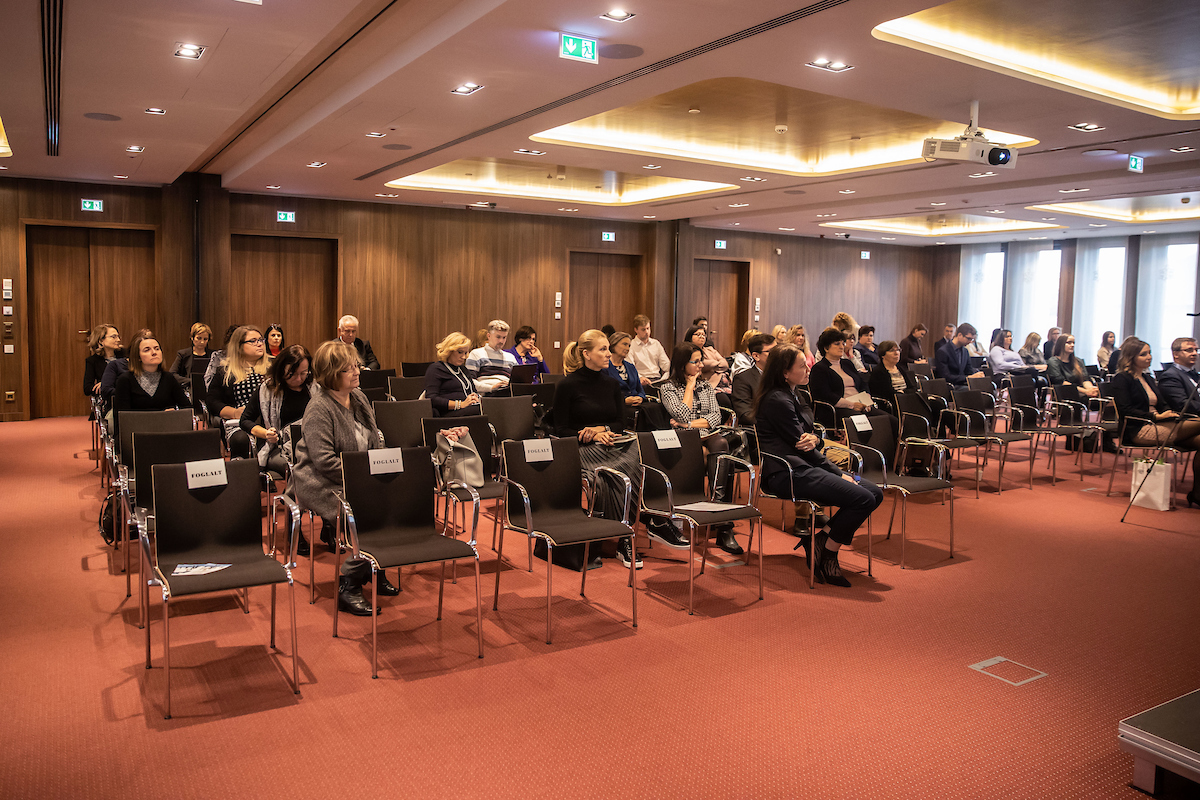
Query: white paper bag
[[1156, 492]]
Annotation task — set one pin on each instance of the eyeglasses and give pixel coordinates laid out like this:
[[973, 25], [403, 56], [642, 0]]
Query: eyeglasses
[[352, 368], [695, 363], [259, 340], [1187, 349]]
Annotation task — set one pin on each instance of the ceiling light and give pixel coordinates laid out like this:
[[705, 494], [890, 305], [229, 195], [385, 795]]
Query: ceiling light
[[1097, 225], [121, 177], [736, 223], [380, 194], [135, 148], [316, 164], [274, 186], [649, 216], [787, 229], [939, 242], [826, 215], [1184, 149], [752, 179], [738, 205], [652, 166], [888, 238], [1149, 231], [994, 211], [1049, 219], [979, 175], [1035, 238], [466, 88], [1072, 191], [1086, 127], [617, 15], [526, 152], [158, 112], [3, 167], [846, 191], [192, 51], [1100, 151], [376, 135], [937, 204], [561, 209], [829, 66]]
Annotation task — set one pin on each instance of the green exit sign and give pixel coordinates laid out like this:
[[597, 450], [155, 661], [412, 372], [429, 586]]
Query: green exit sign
[[91, 205], [1136, 163], [608, 236], [577, 48], [285, 216]]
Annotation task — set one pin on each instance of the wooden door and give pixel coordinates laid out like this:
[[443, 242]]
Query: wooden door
[[605, 289], [721, 293], [59, 287], [286, 280]]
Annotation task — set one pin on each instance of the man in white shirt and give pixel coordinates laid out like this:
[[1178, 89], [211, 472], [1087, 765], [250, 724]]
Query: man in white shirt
[[647, 354], [490, 365]]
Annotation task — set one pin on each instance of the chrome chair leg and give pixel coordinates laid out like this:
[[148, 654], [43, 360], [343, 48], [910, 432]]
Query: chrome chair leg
[[273, 616], [295, 637], [499, 569], [903, 526], [167, 649], [441, 589], [375, 620], [549, 584], [587, 549], [478, 607]]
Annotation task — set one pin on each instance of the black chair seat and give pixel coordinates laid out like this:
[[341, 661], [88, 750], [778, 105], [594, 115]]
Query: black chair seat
[[248, 568], [492, 490], [1008, 436], [915, 485], [574, 526], [960, 442], [1068, 430], [396, 546]]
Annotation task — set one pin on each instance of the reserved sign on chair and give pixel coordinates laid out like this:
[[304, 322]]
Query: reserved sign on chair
[[538, 450], [210, 472], [386, 460], [666, 440]]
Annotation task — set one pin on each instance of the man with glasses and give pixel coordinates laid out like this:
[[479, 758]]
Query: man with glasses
[[745, 383], [347, 331], [952, 363], [1179, 380]]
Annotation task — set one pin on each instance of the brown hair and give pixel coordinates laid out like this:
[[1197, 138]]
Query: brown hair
[[1130, 349], [135, 355], [197, 329], [330, 359], [97, 336]]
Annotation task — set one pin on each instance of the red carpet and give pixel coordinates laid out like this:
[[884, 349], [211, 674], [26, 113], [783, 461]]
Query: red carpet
[[859, 693]]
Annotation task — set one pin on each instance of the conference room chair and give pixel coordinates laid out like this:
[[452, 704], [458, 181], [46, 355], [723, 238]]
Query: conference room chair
[[922, 422], [981, 424], [545, 496], [483, 437], [197, 392], [375, 379], [414, 369], [219, 525], [673, 477], [1052, 423], [922, 372], [406, 388], [1172, 455], [390, 519], [551, 378], [400, 421], [511, 417]]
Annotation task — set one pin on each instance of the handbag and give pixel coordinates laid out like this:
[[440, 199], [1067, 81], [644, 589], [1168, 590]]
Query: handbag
[[1156, 492], [459, 461]]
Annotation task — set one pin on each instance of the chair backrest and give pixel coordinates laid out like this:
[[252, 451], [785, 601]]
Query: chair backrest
[[400, 421], [913, 409], [1092, 369], [406, 388], [975, 402], [542, 393], [375, 393], [685, 467], [936, 387], [375, 378], [1074, 413], [922, 371], [414, 369], [878, 438], [481, 434], [404, 499], [1020, 381], [512, 417], [552, 377], [198, 392], [551, 485], [173, 447], [131, 422], [983, 384], [211, 524], [825, 415]]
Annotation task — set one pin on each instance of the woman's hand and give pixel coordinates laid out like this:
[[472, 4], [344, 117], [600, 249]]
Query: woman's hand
[[96, 388], [808, 442], [533, 351], [691, 381], [271, 435], [471, 400], [596, 434], [701, 423], [846, 476], [1166, 415], [633, 400], [857, 406]]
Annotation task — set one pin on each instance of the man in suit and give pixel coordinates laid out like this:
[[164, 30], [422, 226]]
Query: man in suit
[[952, 362], [745, 383], [347, 331], [1179, 380], [947, 337]]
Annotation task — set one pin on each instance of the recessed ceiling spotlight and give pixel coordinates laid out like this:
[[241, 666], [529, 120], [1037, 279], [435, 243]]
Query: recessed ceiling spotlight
[[158, 112], [1184, 149], [735, 223], [1049, 219], [826, 215], [738, 205], [376, 135], [937, 204], [526, 152], [316, 164], [752, 179], [380, 194], [829, 66], [787, 229], [466, 88], [649, 216], [888, 238], [1035, 238], [121, 177], [3, 167], [485, 203], [693, 110], [1149, 231], [846, 191], [135, 148], [274, 186], [994, 211], [1086, 127], [1072, 191], [1100, 151], [617, 15], [561, 209], [192, 51], [978, 175], [652, 166], [1097, 225], [939, 242]]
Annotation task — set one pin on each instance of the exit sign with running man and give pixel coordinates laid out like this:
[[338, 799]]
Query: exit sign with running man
[[577, 48]]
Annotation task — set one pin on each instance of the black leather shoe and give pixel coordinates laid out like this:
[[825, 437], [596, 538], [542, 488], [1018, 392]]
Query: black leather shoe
[[327, 540], [352, 601], [667, 533], [1192, 498], [816, 554], [1111, 447], [727, 542], [806, 543], [384, 586]]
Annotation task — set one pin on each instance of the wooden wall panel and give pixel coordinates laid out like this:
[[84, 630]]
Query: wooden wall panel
[[58, 289], [123, 289], [604, 289], [286, 280], [14, 368]]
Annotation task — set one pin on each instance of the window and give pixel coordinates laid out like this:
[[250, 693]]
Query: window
[[1166, 291], [980, 287], [1099, 302], [1031, 293]]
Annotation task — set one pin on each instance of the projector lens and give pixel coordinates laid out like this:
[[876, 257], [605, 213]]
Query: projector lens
[[998, 156]]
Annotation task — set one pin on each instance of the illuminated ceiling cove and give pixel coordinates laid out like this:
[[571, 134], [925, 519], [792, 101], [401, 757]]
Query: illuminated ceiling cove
[[1157, 208], [935, 225]]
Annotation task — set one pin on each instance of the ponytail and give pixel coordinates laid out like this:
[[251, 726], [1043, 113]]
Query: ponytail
[[571, 358], [573, 354]]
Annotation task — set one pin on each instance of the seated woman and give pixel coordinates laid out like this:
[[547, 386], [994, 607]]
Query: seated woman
[[1004, 359], [866, 347], [1064, 367], [1031, 352], [235, 383], [1108, 343], [588, 405], [741, 359], [716, 369], [890, 377], [275, 340], [337, 419], [146, 387], [1140, 405], [835, 381], [799, 337], [447, 384], [692, 403], [780, 332], [104, 345], [648, 411], [279, 402], [785, 429], [195, 355], [844, 323], [526, 351]]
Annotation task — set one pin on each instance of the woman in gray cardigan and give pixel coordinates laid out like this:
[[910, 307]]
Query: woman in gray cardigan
[[336, 420]]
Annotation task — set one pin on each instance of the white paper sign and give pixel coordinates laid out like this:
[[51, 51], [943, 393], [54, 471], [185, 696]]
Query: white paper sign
[[386, 460], [861, 422], [538, 450], [704, 505], [667, 440], [199, 569], [210, 472]]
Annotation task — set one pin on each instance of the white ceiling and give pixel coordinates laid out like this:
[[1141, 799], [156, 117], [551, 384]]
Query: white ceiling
[[289, 82]]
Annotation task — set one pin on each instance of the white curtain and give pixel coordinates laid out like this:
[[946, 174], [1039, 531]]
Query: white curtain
[[1031, 290], [980, 284], [1099, 302], [1166, 291]]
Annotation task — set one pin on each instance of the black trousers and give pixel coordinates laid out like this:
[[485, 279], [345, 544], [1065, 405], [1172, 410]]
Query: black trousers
[[854, 501]]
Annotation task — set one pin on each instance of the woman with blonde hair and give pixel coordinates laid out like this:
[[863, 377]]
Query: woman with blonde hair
[[448, 385], [236, 382], [1031, 351], [780, 332], [797, 336], [844, 323], [589, 405]]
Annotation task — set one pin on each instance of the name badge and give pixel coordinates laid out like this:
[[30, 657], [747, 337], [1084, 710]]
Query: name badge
[[386, 460], [538, 450], [861, 423], [210, 472], [667, 440]]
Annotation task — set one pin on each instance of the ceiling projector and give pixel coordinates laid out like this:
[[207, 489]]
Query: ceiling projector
[[972, 145]]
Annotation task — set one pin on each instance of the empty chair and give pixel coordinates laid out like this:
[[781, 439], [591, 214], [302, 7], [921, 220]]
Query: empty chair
[[400, 421], [375, 379], [919, 423], [215, 525], [511, 417], [922, 372], [375, 393], [552, 377], [199, 409], [414, 369], [388, 519], [981, 425], [406, 388]]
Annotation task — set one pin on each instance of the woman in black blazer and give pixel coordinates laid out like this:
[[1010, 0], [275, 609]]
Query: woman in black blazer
[[828, 386], [447, 384], [890, 378], [1148, 420], [186, 359], [146, 386], [104, 344]]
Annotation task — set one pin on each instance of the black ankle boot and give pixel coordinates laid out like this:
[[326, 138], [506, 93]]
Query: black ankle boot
[[727, 542], [385, 587], [351, 600], [831, 571]]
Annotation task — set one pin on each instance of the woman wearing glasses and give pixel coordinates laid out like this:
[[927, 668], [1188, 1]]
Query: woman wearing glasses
[[447, 384], [236, 382]]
